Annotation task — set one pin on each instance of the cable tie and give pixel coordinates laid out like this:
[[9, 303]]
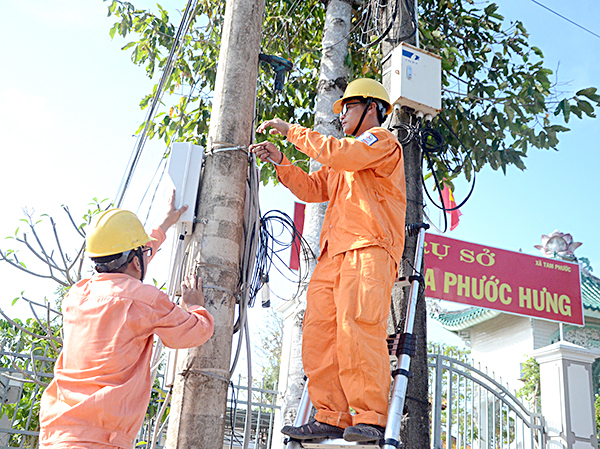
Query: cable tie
[[201, 372], [216, 287], [219, 266], [218, 146], [219, 150]]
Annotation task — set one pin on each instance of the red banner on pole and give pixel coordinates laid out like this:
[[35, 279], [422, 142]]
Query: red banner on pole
[[299, 224], [502, 280]]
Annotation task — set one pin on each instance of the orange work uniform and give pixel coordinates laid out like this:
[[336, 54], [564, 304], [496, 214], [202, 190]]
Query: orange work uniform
[[101, 386], [344, 348]]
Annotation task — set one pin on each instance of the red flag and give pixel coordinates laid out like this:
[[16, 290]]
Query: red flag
[[449, 203], [299, 224]]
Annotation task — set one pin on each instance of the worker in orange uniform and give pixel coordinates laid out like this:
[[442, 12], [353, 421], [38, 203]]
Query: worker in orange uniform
[[101, 386], [344, 348]]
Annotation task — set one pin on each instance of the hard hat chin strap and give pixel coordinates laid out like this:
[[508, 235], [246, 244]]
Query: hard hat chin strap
[[140, 256], [362, 117]]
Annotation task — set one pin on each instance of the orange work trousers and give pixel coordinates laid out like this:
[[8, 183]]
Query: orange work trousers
[[344, 348]]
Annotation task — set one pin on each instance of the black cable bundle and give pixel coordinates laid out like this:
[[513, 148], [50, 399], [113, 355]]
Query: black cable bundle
[[431, 142], [277, 234]]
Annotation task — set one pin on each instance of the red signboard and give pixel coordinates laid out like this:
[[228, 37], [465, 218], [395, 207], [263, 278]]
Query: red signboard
[[502, 280]]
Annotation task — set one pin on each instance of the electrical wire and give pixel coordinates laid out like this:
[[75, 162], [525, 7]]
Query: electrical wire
[[162, 163], [567, 19], [179, 40], [248, 425], [278, 234], [467, 152], [289, 12], [377, 27], [234, 403], [430, 141]]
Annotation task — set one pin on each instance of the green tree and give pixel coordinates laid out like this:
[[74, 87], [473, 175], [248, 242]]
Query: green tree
[[531, 389], [498, 96], [27, 353]]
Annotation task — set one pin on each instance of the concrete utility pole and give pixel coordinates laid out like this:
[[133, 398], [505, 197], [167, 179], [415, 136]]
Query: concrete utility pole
[[415, 432], [198, 408]]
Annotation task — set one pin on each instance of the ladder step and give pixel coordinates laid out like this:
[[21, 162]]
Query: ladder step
[[338, 443]]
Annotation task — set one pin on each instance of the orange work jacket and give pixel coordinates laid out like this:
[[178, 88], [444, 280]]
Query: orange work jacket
[[363, 180], [101, 385]]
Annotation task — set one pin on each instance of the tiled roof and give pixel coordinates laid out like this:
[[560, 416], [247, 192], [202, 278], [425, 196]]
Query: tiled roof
[[465, 318], [462, 319], [590, 291]]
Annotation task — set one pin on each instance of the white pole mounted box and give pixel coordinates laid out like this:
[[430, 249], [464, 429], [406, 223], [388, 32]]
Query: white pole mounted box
[[416, 79], [185, 164]]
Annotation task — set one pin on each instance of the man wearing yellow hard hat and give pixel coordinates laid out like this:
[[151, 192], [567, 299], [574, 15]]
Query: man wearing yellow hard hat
[[101, 386], [344, 348]]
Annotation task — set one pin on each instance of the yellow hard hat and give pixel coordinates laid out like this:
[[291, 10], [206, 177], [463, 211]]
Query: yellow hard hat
[[366, 88], [115, 231]]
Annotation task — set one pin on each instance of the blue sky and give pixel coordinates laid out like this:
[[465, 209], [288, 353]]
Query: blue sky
[[69, 107]]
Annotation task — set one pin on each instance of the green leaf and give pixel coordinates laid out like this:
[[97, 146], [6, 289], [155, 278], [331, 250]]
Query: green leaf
[[586, 107], [111, 8], [566, 110], [586, 92], [129, 45], [537, 51], [113, 30], [576, 110]]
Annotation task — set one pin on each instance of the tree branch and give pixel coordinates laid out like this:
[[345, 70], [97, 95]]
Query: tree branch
[[21, 328], [60, 250], [44, 258], [37, 238], [20, 267], [49, 336], [28, 377], [79, 231], [41, 305]]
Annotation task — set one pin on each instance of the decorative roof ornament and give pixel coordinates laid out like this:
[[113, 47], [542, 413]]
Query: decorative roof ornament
[[559, 245]]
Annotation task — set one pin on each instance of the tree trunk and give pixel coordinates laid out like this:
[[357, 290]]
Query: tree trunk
[[415, 428], [200, 390], [333, 79]]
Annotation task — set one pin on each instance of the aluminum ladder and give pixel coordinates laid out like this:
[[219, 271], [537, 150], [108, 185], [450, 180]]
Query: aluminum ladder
[[401, 374]]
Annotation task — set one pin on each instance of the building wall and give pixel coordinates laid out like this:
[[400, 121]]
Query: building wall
[[501, 344], [542, 332]]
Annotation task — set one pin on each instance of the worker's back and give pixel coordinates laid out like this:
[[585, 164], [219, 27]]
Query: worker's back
[[101, 387]]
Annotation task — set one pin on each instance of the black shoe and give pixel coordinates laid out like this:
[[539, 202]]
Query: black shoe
[[364, 432], [313, 430]]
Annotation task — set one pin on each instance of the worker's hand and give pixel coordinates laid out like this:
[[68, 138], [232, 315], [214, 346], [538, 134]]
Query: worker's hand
[[277, 126], [266, 151], [191, 292], [173, 214]]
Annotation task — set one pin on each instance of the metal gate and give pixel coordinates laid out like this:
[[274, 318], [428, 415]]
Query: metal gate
[[472, 410]]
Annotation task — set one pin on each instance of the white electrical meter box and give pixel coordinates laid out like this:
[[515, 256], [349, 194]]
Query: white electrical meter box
[[185, 163], [416, 79]]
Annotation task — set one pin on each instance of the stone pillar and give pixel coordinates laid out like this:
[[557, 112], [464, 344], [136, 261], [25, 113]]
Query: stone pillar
[[567, 395]]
